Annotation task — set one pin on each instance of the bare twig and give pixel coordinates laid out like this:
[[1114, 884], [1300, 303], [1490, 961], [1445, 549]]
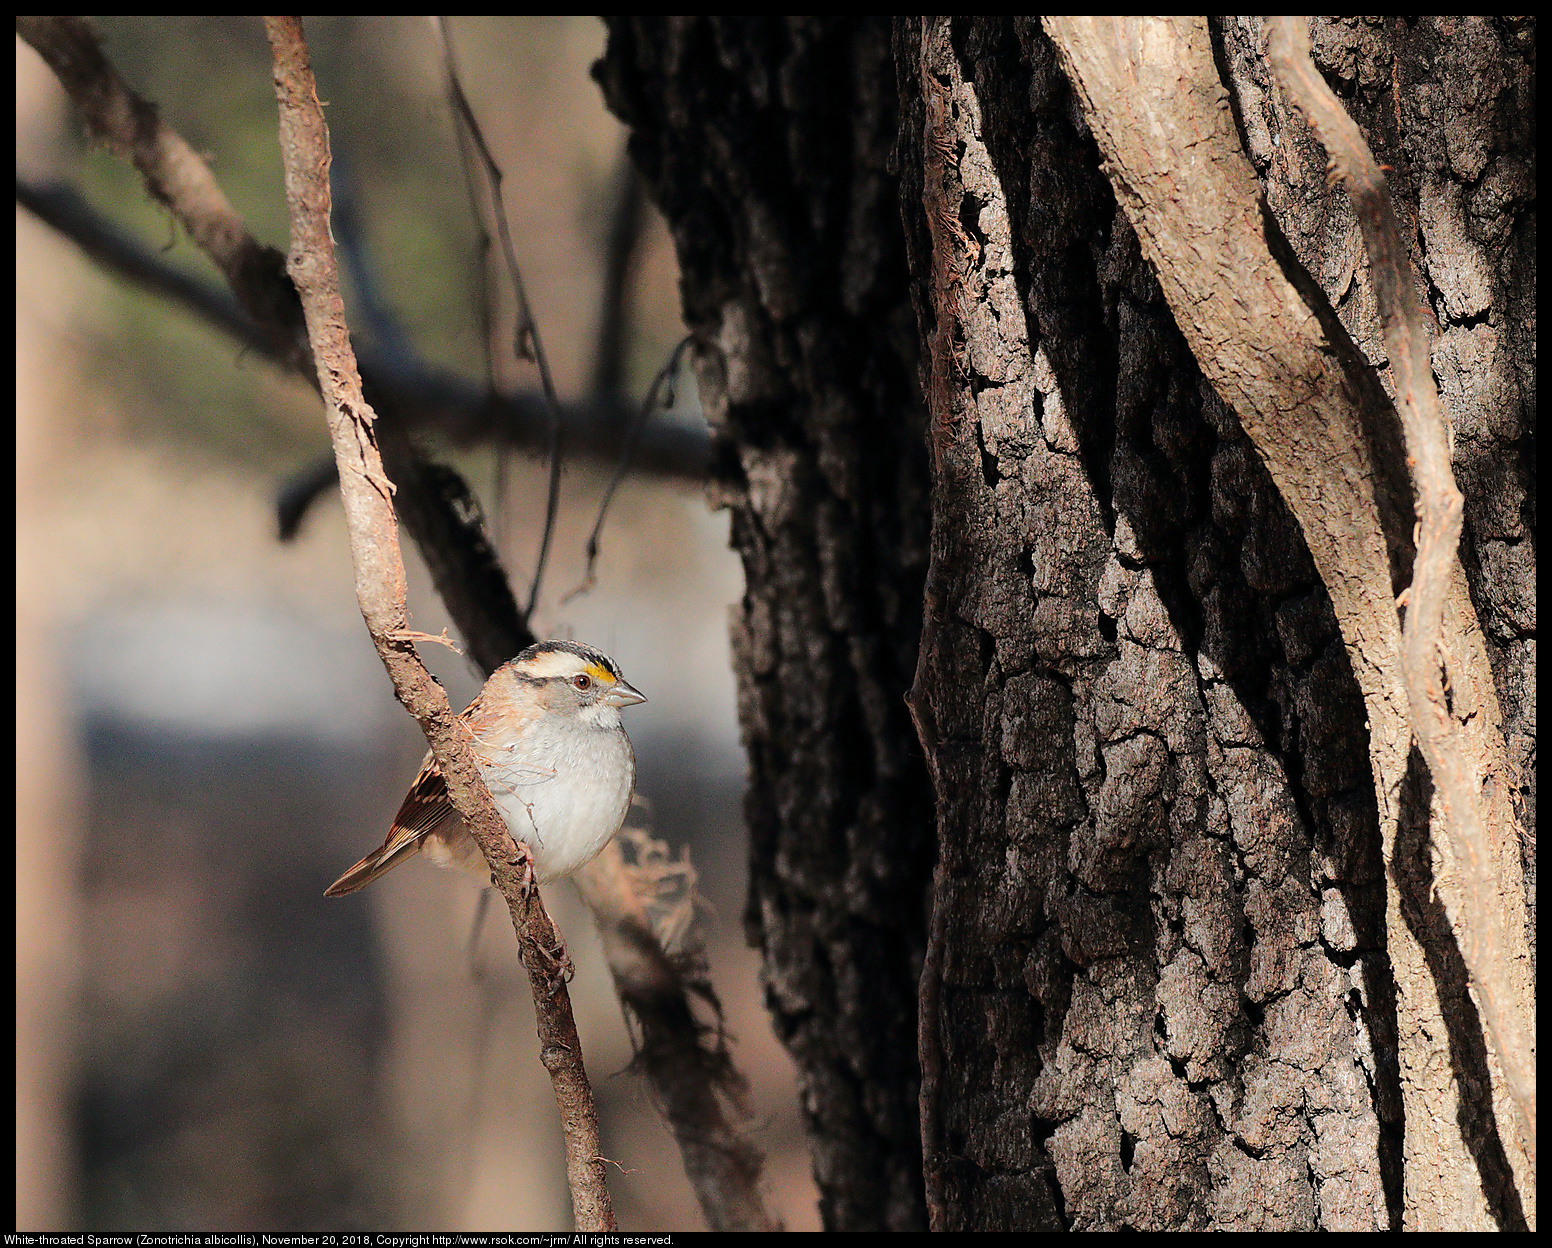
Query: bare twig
[[1459, 772], [380, 591], [526, 344], [437, 639], [659, 394], [484, 302], [483, 243]]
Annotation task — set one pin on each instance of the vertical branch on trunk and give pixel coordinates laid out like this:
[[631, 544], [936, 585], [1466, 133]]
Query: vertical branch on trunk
[[1466, 778], [367, 495], [1152, 95]]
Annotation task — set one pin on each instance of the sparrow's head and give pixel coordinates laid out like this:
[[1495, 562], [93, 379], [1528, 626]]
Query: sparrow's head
[[569, 677]]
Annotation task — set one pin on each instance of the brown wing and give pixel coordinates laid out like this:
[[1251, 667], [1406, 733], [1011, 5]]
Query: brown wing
[[493, 726], [425, 808]]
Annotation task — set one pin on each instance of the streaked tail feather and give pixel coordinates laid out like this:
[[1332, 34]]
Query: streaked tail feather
[[378, 863]]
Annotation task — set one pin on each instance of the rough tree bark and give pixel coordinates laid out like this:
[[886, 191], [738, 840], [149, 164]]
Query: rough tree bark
[[1447, 104], [1158, 991], [766, 144]]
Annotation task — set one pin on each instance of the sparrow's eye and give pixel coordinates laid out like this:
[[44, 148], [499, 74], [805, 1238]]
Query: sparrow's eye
[[582, 681]]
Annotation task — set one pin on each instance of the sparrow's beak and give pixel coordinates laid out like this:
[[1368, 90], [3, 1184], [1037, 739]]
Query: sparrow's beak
[[623, 695]]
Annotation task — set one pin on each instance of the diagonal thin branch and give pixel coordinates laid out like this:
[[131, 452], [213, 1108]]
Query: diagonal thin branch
[[1460, 773], [379, 567], [660, 394]]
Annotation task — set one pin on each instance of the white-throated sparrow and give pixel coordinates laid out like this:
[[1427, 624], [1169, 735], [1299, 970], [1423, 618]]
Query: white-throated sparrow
[[547, 734]]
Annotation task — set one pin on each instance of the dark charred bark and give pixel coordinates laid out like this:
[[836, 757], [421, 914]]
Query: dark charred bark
[[766, 144]]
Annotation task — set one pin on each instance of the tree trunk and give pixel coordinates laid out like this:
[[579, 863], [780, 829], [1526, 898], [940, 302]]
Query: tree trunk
[[766, 144], [1158, 991]]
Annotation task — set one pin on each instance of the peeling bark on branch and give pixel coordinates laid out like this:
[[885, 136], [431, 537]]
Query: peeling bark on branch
[[1135, 1010]]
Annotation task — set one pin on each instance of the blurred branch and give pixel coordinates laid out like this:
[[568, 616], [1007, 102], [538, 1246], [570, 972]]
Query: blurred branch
[[300, 491], [304, 143], [643, 902], [391, 347], [63, 208], [424, 399], [174, 175], [662, 385], [449, 534], [442, 515]]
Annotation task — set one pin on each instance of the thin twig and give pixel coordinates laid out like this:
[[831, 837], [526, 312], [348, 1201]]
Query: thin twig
[[484, 302], [483, 243], [663, 382], [438, 639], [526, 342], [1444, 746], [380, 588]]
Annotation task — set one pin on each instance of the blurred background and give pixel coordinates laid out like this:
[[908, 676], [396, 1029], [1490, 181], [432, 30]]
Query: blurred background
[[206, 738]]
